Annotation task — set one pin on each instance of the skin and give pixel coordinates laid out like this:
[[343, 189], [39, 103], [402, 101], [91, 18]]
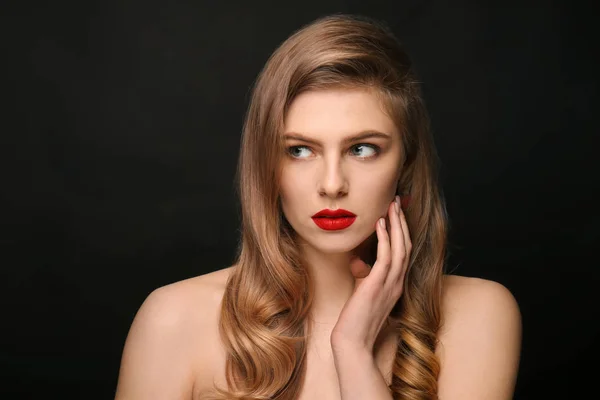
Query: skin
[[361, 176], [173, 350], [329, 170]]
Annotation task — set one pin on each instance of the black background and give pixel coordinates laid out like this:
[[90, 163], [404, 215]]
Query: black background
[[120, 139]]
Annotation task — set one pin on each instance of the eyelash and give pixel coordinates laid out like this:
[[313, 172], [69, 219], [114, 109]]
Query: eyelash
[[374, 147]]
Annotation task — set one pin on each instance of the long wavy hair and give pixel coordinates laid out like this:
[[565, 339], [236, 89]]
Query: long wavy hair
[[268, 296]]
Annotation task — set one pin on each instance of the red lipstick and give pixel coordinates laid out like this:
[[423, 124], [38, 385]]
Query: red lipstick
[[334, 220]]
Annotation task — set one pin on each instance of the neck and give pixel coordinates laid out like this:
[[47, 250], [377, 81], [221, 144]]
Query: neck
[[332, 279], [333, 284]]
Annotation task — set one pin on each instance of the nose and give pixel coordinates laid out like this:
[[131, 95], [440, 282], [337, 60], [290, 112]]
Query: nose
[[333, 181]]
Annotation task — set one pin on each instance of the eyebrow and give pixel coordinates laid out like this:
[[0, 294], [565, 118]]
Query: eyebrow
[[360, 136]]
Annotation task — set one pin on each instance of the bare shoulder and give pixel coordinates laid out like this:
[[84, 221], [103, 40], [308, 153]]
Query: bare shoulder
[[467, 295], [187, 304], [205, 287], [463, 285], [170, 345], [480, 340]]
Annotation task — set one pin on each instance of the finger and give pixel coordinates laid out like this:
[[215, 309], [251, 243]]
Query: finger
[[397, 244], [359, 268], [407, 243], [381, 266], [406, 233]]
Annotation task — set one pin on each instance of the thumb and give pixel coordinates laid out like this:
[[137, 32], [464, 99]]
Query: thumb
[[359, 268]]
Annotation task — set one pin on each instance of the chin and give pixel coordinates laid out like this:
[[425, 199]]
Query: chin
[[338, 242], [333, 249]]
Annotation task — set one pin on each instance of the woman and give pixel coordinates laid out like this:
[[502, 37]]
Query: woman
[[338, 290]]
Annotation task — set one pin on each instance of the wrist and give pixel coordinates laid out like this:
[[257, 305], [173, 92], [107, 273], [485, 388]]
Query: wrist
[[348, 350]]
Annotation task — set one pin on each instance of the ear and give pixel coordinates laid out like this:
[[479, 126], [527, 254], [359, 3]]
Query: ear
[[404, 198], [404, 201]]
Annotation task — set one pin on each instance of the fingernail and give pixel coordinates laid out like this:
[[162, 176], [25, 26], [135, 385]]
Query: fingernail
[[397, 204], [382, 222]]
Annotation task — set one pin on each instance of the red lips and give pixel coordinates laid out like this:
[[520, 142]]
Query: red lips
[[334, 220], [339, 213]]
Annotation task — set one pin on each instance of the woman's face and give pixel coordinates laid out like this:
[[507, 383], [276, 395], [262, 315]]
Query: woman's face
[[328, 165]]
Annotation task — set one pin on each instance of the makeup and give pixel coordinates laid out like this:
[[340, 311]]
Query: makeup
[[334, 220]]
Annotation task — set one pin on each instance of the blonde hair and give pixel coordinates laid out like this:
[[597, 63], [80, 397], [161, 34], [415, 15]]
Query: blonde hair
[[268, 296]]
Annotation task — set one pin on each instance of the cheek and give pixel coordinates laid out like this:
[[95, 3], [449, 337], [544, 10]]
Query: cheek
[[295, 178], [290, 193], [382, 185]]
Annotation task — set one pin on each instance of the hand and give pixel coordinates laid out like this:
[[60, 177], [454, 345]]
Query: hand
[[377, 289]]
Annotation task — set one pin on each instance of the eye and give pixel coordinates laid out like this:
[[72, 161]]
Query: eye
[[296, 151], [365, 150]]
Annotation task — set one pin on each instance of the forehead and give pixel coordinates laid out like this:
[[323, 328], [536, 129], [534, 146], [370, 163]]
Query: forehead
[[329, 113]]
